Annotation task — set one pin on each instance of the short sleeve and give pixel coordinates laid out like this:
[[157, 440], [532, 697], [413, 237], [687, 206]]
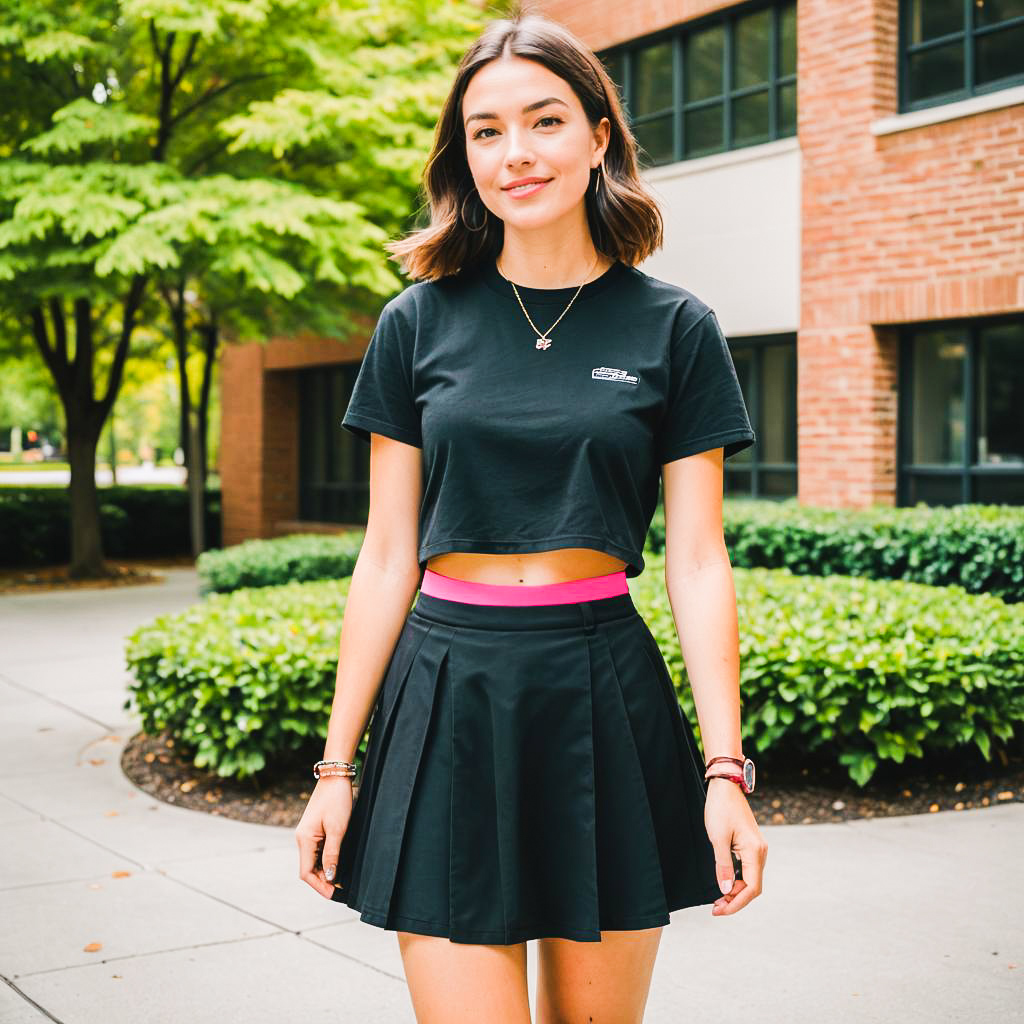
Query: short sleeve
[[704, 407], [382, 397]]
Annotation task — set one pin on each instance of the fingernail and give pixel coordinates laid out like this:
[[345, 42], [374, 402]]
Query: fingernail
[[725, 884], [329, 872]]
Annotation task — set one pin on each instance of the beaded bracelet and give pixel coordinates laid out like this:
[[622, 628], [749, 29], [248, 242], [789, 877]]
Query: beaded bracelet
[[348, 769]]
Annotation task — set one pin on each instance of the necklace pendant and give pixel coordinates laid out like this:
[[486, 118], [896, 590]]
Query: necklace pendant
[[543, 343]]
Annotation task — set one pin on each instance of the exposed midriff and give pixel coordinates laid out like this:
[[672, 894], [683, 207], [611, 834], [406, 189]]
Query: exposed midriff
[[529, 568]]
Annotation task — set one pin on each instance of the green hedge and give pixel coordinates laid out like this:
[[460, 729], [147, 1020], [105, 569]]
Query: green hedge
[[858, 672], [266, 563], [242, 679], [977, 547], [135, 522], [852, 671]]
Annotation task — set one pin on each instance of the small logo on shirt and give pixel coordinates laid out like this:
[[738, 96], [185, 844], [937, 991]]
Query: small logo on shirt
[[610, 373]]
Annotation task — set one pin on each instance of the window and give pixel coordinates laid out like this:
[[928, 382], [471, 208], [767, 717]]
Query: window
[[721, 83], [952, 49], [766, 368], [961, 430], [334, 465]]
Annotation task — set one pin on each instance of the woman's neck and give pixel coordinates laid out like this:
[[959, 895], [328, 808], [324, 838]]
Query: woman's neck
[[551, 269]]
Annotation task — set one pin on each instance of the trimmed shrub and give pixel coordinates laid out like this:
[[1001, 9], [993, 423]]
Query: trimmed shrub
[[977, 547], [859, 672], [241, 679], [267, 563], [135, 522], [852, 671]]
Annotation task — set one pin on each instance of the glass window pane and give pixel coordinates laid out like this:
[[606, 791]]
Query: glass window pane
[[937, 71], [930, 19], [752, 52], [787, 109], [991, 12], [743, 360], [999, 54], [942, 489], [705, 63], [1000, 395], [737, 479], [937, 406], [776, 483], [652, 79], [655, 137], [787, 41], [750, 119], [999, 488], [776, 440], [702, 130]]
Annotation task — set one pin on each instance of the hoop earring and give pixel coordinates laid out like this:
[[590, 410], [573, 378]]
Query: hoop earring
[[462, 215]]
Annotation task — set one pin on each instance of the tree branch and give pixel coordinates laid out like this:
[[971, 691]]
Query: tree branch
[[212, 94], [60, 329], [132, 304]]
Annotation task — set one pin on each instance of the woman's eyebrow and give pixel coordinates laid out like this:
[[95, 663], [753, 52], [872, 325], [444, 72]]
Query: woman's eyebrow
[[486, 116]]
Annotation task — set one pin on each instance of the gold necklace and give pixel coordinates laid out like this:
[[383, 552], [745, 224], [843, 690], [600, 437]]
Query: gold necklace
[[543, 341]]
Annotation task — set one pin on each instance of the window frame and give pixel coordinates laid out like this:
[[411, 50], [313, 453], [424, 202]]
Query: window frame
[[967, 471], [968, 33], [677, 35]]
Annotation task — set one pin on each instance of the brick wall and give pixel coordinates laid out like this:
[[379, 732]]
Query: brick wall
[[915, 225], [920, 224], [259, 451]]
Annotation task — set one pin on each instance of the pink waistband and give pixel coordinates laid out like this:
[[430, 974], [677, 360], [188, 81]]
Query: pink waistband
[[592, 587]]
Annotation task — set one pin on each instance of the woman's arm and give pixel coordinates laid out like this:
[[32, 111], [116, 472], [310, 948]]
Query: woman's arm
[[384, 582], [698, 578]]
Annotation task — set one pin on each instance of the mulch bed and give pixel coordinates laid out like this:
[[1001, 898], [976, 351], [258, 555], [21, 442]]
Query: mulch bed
[[121, 572], [804, 797]]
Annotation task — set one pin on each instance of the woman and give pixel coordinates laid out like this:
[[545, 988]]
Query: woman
[[529, 773]]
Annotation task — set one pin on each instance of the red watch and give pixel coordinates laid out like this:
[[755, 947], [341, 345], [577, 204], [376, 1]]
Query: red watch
[[745, 780]]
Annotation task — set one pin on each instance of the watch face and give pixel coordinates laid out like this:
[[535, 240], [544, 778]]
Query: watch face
[[748, 774]]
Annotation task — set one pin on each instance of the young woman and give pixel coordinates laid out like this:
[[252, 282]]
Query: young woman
[[529, 772]]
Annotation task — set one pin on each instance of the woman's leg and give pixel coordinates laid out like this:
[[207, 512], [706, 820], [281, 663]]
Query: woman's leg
[[465, 983], [606, 982]]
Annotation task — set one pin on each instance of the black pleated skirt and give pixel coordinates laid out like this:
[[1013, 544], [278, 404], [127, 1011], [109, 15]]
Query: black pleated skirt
[[529, 773]]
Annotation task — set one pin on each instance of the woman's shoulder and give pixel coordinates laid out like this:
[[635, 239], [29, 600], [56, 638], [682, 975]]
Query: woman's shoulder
[[684, 306], [422, 296]]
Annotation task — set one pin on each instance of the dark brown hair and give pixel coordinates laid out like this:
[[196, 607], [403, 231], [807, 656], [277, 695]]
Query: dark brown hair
[[624, 219]]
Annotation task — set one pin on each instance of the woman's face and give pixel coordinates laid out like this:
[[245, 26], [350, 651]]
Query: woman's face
[[505, 143]]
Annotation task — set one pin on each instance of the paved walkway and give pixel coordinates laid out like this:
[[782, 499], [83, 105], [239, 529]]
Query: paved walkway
[[200, 920]]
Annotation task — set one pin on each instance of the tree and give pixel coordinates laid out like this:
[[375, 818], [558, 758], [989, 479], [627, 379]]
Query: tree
[[260, 151]]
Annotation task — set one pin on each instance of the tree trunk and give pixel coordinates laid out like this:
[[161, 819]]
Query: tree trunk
[[112, 443], [84, 413], [196, 487], [211, 339], [86, 540]]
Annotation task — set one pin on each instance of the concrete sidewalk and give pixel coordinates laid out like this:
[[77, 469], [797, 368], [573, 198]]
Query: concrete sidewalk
[[201, 920]]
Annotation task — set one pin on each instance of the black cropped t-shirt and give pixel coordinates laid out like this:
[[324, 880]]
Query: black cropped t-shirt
[[528, 449]]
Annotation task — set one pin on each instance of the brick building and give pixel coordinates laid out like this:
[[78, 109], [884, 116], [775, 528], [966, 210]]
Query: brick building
[[843, 184]]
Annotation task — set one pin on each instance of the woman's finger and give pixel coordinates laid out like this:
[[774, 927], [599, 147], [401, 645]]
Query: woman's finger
[[310, 870], [752, 858]]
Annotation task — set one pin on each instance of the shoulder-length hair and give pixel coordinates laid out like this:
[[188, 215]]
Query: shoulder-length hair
[[624, 219]]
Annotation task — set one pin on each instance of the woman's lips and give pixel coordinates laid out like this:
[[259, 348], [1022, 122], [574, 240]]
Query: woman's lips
[[526, 190]]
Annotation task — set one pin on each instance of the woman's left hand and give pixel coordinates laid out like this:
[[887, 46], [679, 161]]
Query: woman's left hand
[[731, 828]]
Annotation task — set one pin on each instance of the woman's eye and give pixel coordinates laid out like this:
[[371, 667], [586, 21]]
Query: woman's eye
[[548, 117]]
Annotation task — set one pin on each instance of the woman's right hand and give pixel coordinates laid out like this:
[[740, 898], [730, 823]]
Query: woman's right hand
[[320, 831]]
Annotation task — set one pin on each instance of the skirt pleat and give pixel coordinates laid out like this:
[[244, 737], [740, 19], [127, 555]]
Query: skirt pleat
[[529, 773]]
